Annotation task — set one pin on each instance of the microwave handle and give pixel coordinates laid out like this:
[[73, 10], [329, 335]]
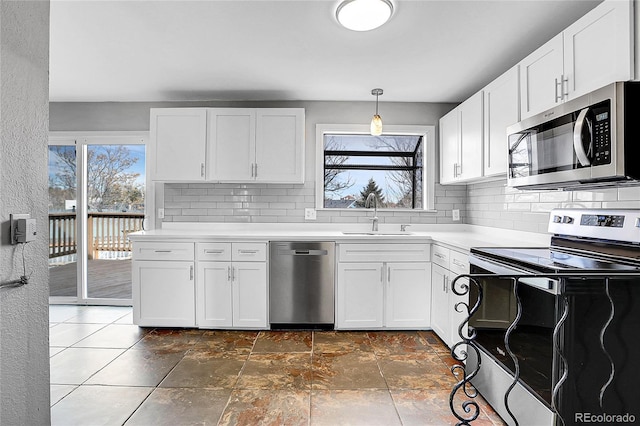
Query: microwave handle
[[578, 147]]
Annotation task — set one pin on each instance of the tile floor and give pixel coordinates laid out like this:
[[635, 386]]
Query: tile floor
[[107, 371]]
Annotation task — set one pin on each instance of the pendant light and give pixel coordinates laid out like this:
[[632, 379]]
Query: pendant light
[[363, 15], [376, 121]]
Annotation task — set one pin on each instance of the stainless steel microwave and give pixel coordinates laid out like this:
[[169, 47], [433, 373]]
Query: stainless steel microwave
[[591, 141]]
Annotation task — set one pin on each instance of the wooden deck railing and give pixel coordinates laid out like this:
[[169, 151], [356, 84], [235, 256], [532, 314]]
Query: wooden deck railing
[[107, 231]]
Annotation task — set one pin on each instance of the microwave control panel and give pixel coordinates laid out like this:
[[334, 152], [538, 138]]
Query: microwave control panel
[[601, 135]]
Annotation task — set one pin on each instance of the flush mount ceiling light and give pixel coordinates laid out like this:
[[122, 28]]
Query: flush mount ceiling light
[[364, 15], [376, 121]]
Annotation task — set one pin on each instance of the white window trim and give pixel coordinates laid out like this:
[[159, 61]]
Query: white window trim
[[429, 142]]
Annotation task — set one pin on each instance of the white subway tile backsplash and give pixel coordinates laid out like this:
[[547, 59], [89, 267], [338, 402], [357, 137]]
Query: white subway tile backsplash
[[487, 204], [629, 194], [529, 210]]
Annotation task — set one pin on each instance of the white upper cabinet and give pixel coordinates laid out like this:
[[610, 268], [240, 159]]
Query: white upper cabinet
[[280, 145], [596, 50], [461, 142], [228, 144], [256, 145], [470, 166], [232, 143], [540, 78], [177, 150], [501, 109], [448, 146]]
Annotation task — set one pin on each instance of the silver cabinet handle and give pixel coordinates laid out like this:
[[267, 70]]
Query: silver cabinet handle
[[439, 255], [229, 273], [247, 251], [214, 251], [457, 263], [388, 275], [558, 97], [202, 169], [455, 170], [382, 273], [256, 169], [162, 251], [446, 284], [233, 273], [191, 273]]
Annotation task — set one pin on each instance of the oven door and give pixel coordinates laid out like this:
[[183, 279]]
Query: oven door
[[509, 295]]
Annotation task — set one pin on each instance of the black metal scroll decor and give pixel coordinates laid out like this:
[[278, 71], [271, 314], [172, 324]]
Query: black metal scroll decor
[[612, 372], [460, 352], [507, 337], [564, 370]]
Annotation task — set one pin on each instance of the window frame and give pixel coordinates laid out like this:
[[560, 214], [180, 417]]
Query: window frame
[[429, 165]]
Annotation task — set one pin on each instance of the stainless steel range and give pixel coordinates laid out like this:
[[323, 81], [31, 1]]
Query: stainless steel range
[[554, 333]]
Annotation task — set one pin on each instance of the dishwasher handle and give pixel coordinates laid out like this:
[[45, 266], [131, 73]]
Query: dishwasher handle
[[302, 252]]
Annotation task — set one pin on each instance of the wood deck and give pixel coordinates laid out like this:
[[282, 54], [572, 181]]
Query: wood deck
[[107, 279]]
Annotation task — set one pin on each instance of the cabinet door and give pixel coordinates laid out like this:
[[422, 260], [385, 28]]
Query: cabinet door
[[598, 48], [408, 295], [249, 294], [471, 138], [214, 295], [280, 145], [449, 134], [163, 294], [178, 143], [231, 149], [501, 109], [440, 302], [360, 295], [538, 74]]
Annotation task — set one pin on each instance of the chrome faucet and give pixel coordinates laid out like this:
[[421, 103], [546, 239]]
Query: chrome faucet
[[367, 204]]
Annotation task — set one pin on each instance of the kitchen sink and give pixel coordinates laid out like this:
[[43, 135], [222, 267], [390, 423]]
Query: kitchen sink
[[377, 233]]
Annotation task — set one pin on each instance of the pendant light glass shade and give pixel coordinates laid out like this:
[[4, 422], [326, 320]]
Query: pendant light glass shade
[[376, 121], [376, 125], [364, 15]]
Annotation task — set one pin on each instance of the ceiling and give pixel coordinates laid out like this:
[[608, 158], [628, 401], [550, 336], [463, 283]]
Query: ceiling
[[430, 50]]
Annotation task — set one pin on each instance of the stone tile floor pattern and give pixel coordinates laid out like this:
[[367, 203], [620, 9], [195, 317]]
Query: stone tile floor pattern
[[107, 371]]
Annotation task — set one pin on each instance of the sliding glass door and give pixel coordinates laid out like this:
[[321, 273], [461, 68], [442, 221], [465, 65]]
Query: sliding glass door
[[108, 205]]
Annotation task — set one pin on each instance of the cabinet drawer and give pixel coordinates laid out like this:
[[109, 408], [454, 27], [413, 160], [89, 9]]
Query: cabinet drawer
[[163, 251], [250, 252], [459, 263], [440, 256], [213, 251], [383, 252]]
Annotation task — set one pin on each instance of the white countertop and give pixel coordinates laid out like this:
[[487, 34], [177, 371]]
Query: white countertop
[[457, 236]]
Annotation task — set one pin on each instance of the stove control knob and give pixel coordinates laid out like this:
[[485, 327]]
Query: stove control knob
[[567, 219], [558, 219], [637, 222]]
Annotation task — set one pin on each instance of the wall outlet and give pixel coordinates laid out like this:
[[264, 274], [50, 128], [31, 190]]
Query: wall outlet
[[160, 213], [309, 214], [455, 215]]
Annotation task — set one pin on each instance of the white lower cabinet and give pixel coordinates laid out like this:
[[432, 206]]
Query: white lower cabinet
[[163, 281], [231, 285], [383, 292], [445, 317]]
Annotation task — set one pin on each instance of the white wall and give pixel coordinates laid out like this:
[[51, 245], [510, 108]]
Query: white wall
[[24, 313]]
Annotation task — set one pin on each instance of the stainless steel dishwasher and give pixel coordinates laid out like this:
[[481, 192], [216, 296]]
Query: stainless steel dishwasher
[[301, 284]]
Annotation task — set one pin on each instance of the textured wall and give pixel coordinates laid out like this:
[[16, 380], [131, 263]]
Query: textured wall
[[495, 204], [24, 313]]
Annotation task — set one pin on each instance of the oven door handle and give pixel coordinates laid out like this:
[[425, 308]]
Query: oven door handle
[[495, 268]]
